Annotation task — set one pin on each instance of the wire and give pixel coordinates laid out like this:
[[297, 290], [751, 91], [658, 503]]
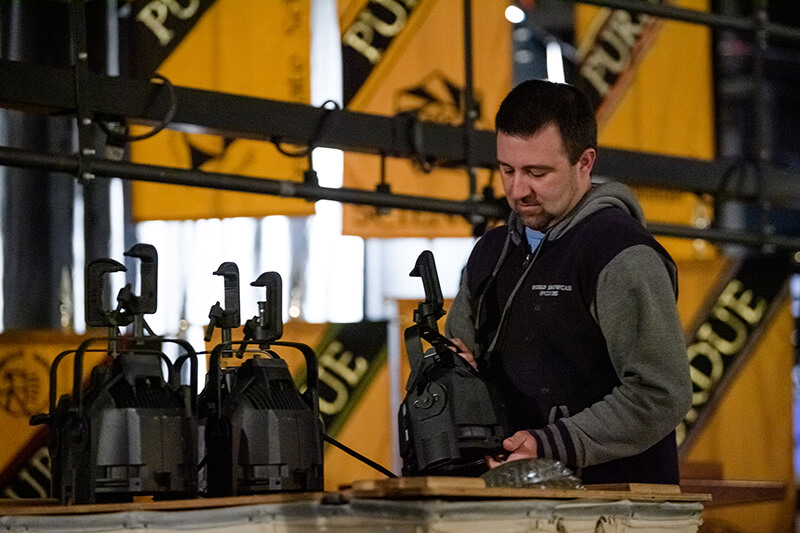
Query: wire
[[300, 153], [168, 116], [342, 447], [327, 111], [369, 462]]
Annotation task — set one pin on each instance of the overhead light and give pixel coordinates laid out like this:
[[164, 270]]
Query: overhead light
[[514, 14], [555, 62]]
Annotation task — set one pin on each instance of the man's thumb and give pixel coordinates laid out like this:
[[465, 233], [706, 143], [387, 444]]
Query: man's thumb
[[514, 441]]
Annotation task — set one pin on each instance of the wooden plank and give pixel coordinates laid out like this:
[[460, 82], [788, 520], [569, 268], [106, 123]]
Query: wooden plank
[[35, 507], [732, 491], [475, 488], [648, 488], [701, 469]]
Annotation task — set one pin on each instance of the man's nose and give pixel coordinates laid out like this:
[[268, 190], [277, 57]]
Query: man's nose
[[516, 187]]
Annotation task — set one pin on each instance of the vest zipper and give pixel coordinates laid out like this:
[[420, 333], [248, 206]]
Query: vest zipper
[[526, 265]]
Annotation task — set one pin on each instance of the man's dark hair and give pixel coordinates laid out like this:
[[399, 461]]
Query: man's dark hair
[[535, 104]]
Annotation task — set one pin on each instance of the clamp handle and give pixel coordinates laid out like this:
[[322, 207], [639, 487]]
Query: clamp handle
[[229, 317], [95, 312], [145, 303], [267, 326]]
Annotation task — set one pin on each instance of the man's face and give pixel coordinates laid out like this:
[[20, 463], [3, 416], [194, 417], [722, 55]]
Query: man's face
[[541, 185]]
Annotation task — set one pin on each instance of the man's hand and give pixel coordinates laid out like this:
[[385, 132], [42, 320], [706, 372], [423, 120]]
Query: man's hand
[[465, 352], [521, 444]]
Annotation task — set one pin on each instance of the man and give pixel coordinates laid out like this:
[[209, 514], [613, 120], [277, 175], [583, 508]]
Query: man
[[569, 309]]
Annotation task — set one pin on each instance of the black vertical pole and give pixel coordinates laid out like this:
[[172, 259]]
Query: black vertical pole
[[470, 114], [103, 58], [37, 206], [761, 111]]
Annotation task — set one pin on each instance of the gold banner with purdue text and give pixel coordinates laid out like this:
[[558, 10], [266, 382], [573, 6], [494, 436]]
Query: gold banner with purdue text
[[248, 47], [404, 56], [653, 93], [25, 361]]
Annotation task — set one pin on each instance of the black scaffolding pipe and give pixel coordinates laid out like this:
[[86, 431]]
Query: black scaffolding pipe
[[99, 167], [469, 100], [714, 20], [47, 90], [232, 182], [52, 91]]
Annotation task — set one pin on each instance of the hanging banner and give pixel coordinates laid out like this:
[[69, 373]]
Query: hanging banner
[[650, 80], [721, 344], [407, 56], [25, 360], [750, 432], [611, 51], [349, 355], [247, 47], [156, 28]]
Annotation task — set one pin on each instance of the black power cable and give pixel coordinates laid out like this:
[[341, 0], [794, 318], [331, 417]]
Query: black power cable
[[369, 462], [305, 152], [122, 135]]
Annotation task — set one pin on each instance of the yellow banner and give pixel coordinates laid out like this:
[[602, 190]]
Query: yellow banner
[[660, 101], [247, 47], [25, 360], [421, 71]]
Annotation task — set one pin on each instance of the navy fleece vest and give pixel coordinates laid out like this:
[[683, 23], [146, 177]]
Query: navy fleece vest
[[551, 358]]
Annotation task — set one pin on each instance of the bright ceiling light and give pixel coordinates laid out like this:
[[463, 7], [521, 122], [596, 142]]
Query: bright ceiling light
[[555, 62], [514, 14]]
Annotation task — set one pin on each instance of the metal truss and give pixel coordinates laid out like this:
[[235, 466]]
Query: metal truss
[[96, 98]]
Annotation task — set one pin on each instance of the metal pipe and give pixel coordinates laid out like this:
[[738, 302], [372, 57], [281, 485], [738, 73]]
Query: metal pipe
[[233, 182], [715, 20], [34, 88], [469, 100], [761, 112], [109, 168], [725, 236]]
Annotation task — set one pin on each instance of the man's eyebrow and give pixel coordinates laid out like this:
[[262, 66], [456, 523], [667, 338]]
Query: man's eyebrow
[[527, 167]]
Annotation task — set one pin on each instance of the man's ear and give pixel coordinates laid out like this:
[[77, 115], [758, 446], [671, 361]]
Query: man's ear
[[586, 161]]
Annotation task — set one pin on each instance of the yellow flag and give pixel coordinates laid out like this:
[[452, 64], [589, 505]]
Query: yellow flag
[[248, 47], [654, 94], [411, 58], [25, 361]]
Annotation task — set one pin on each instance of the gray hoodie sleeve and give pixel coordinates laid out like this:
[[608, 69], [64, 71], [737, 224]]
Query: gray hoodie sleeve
[[459, 322], [635, 308]]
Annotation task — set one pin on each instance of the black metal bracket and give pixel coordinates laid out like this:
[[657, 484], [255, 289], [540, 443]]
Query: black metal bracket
[[80, 69]]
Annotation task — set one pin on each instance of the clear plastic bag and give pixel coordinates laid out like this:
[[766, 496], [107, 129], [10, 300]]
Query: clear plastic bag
[[539, 472]]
